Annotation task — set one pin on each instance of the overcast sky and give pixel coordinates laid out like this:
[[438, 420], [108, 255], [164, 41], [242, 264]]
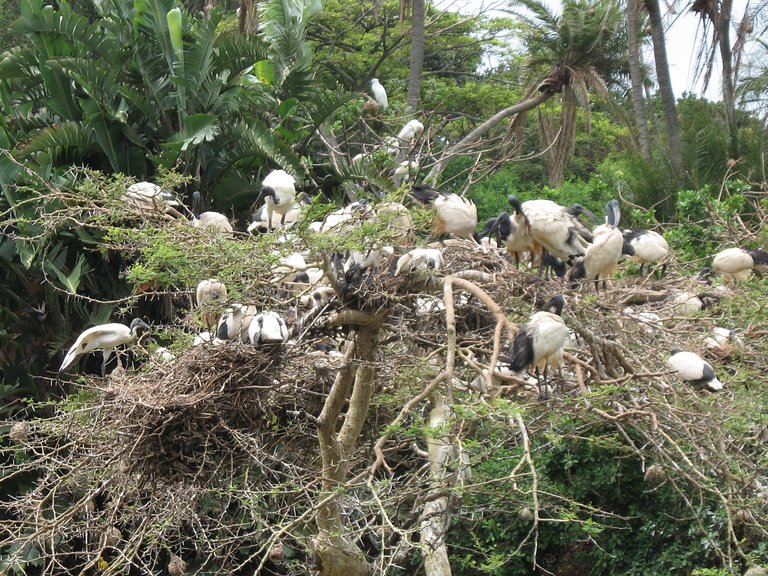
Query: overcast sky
[[681, 41]]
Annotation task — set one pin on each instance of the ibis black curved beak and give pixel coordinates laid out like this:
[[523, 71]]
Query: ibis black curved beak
[[577, 209]]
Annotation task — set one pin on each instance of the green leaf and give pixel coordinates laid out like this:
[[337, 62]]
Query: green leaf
[[199, 128], [287, 107]]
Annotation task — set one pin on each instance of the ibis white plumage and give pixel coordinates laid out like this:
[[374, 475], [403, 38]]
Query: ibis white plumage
[[105, 338], [210, 295], [410, 132], [278, 190], [541, 342], [214, 220], [149, 196], [513, 235], [235, 322], [420, 262], [736, 264], [379, 93], [453, 214], [601, 257], [650, 247], [694, 370], [268, 328], [553, 227]]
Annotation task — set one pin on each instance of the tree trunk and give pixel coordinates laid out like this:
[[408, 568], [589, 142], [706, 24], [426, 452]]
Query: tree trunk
[[636, 77], [667, 96], [334, 550], [247, 18], [435, 516], [413, 99], [722, 26]]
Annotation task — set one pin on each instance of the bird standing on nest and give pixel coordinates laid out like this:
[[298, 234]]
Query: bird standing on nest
[[106, 338], [278, 190], [540, 343], [453, 214]]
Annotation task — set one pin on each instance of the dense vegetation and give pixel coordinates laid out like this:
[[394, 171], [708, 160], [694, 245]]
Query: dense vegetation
[[121, 476]]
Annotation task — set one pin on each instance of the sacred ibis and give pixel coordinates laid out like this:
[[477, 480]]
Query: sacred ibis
[[210, 295], [552, 227], [151, 197], [540, 343], [601, 257], [694, 370], [514, 236], [106, 338], [736, 264], [409, 132], [215, 220], [235, 322], [379, 93], [453, 214], [649, 246], [420, 263], [268, 328], [278, 190]]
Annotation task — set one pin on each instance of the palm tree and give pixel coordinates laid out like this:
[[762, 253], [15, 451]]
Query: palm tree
[[574, 54], [418, 16], [636, 76], [665, 90]]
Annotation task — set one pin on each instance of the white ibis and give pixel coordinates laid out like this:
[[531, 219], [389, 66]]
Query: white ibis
[[601, 257], [210, 295], [540, 343], [235, 322], [514, 236], [214, 220], [694, 370], [650, 247], [409, 132], [278, 190], [379, 93], [553, 227], [453, 214], [420, 262], [149, 196], [736, 264], [106, 338], [268, 328]]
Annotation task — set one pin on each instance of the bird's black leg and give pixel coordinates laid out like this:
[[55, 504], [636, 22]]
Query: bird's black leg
[[282, 221], [640, 272], [104, 358]]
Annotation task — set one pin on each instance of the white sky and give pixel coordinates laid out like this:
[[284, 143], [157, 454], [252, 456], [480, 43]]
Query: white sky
[[681, 41]]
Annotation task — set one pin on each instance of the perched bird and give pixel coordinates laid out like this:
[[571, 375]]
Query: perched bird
[[278, 190], [351, 214], [513, 236], [692, 369], [106, 338], [406, 171], [420, 262], [235, 322], [736, 264], [409, 133], [552, 226], [215, 220], [210, 295], [650, 247], [268, 328], [149, 196], [453, 214], [540, 343], [379, 93], [601, 257]]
